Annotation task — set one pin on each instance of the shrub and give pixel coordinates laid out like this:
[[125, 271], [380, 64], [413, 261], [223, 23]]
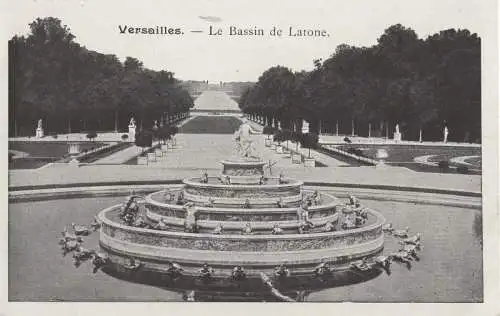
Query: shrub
[[173, 129], [278, 136], [124, 137], [309, 140], [92, 135], [355, 151], [443, 165], [268, 130], [54, 136], [164, 133], [347, 140], [463, 169], [144, 139]]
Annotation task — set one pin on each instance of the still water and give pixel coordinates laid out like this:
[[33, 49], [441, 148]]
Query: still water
[[449, 270]]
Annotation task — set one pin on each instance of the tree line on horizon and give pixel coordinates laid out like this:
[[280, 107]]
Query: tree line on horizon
[[72, 89], [422, 85]]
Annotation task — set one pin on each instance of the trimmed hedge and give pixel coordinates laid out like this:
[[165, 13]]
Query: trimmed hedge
[[94, 156]]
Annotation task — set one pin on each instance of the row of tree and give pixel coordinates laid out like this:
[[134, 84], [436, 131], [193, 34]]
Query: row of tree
[[421, 84], [74, 89]]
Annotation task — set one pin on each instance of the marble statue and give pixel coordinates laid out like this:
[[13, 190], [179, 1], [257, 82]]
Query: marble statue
[[131, 129], [397, 133], [445, 134], [244, 142], [39, 129]]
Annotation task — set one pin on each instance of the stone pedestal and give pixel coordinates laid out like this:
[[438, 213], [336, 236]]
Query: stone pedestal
[[305, 127], [397, 137], [296, 158], [131, 132], [309, 162], [74, 148], [382, 155], [39, 133], [243, 171], [151, 157]]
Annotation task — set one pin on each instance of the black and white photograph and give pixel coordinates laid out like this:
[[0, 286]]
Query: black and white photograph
[[252, 152]]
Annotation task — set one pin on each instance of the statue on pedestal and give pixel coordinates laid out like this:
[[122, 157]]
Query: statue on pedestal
[[244, 142], [397, 133], [131, 129], [39, 129], [445, 134]]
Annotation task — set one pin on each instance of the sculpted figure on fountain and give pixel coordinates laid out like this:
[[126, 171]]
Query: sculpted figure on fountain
[[244, 142]]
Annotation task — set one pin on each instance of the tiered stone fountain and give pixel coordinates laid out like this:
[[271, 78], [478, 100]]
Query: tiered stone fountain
[[240, 220]]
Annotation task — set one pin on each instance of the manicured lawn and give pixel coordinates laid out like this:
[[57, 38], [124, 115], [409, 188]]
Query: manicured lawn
[[211, 125], [475, 161], [49, 149], [403, 155], [30, 163], [406, 153], [41, 153]]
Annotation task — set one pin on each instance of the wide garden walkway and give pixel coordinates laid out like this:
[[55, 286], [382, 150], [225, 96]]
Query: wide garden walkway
[[195, 152], [125, 155]]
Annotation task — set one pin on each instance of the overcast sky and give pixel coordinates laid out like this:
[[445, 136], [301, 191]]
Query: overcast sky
[[198, 56]]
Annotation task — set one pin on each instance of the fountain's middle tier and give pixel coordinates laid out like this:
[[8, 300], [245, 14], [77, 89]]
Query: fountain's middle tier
[[235, 218]]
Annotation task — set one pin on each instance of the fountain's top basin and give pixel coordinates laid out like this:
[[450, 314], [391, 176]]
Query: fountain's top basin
[[215, 182]]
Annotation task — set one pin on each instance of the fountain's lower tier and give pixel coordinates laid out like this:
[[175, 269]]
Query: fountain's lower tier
[[301, 253]]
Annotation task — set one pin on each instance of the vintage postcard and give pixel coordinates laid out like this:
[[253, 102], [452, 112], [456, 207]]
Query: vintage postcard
[[249, 152]]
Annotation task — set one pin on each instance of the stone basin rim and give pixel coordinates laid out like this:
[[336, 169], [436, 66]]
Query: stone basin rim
[[192, 182], [335, 202], [102, 217]]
